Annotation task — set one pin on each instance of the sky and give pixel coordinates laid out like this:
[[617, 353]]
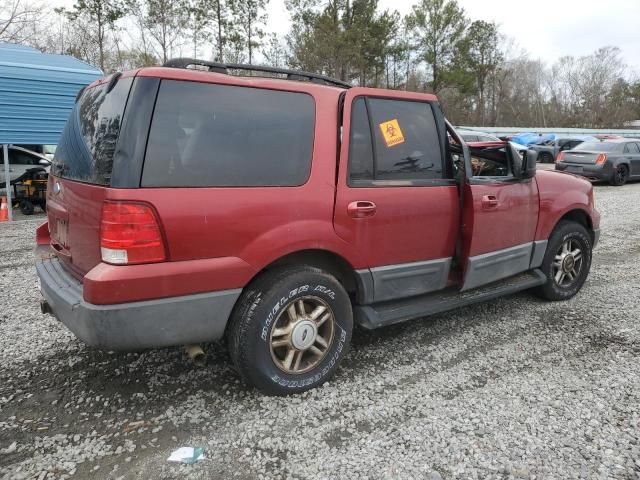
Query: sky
[[546, 29]]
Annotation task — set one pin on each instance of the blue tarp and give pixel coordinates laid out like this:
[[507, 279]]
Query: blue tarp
[[37, 92], [532, 138]]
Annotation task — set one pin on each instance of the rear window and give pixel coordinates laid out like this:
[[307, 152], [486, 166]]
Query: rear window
[[207, 135], [596, 147], [88, 141]]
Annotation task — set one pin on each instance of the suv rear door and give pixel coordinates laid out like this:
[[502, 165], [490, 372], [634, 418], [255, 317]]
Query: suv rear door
[[396, 200]]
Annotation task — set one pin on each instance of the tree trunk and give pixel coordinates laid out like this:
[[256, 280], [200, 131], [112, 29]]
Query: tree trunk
[[101, 42], [249, 36], [220, 43]]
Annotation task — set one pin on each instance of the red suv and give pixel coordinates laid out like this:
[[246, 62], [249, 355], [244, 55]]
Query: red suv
[[188, 205]]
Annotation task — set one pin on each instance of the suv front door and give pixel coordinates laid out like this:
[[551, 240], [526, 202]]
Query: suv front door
[[396, 200], [499, 219]]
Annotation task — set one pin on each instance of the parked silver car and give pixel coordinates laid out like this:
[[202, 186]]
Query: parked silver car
[[548, 151], [21, 160]]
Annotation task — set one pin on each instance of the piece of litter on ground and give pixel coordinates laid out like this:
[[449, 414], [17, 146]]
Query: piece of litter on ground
[[188, 455], [10, 449]]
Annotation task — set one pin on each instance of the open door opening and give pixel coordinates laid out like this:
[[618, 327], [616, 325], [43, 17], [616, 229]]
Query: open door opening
[[499, 211]]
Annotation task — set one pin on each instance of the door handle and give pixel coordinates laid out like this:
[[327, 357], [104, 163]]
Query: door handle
[[489, 202], [362, 209]]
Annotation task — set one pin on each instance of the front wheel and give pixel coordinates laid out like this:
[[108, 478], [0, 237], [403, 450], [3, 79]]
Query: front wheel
[[290, 330], [566, 262]]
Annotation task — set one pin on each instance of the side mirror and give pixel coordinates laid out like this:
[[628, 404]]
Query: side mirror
[[529, 161], [44, 162]]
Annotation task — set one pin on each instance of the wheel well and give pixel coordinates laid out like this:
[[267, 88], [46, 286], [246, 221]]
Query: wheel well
[[581, 217], [325, 260]]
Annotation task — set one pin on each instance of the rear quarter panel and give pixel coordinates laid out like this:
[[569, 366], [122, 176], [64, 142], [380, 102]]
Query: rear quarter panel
[[561, 193]]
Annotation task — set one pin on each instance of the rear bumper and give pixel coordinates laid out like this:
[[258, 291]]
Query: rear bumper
[[588, 170], [135, 325]]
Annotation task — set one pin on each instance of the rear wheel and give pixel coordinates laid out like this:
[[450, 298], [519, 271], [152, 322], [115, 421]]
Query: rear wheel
[[290, 330], [620, 176], [546, 158], [566, 262]]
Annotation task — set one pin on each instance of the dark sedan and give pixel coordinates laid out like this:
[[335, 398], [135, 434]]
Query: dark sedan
[[548, 151], [613, 161]]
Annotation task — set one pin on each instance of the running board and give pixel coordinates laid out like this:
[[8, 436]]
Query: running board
[[387, 313]]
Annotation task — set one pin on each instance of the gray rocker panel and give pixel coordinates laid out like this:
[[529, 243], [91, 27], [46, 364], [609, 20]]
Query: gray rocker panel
[[539, 249], [492, 266], [409, 279]]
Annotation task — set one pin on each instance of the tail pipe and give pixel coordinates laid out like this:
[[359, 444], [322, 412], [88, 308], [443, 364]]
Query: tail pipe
[[45, 307], [195, 354]]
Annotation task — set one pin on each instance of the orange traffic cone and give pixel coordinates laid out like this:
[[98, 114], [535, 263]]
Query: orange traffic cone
[[4, 211]]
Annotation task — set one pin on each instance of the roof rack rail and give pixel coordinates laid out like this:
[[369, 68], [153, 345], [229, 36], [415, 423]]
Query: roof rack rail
[[225, 67]]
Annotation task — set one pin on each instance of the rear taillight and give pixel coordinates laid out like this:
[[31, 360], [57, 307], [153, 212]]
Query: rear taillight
[[560, 157], [130, 233], [601, 159]]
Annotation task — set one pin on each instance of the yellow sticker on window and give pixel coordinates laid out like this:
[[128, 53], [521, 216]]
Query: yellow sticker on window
[[392, 133]]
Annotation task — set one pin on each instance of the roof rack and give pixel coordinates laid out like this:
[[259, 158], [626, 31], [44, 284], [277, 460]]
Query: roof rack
[[225, 67]]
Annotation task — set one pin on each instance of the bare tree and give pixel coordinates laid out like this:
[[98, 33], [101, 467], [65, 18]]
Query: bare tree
[[16, 16], [275, 51]]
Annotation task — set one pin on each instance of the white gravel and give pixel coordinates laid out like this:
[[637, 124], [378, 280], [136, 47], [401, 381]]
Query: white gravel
[[515, 388]]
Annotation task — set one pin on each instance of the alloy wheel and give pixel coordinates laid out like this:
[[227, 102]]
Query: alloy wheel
[[621, 174], [302, 334], [567, 263]]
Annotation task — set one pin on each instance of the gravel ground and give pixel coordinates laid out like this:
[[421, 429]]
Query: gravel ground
[[514, 388]]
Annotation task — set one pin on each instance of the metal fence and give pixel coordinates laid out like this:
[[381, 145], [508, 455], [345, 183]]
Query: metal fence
[[500, 131]]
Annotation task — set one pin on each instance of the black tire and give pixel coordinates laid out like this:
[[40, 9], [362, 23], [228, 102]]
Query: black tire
[[546, 157], [265, 304], [26, 207], [565, 231], [620, 175]]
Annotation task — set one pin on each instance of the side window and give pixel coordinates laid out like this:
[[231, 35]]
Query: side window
[[210, 135], [17, 157], [405, 146], [631, 148]]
